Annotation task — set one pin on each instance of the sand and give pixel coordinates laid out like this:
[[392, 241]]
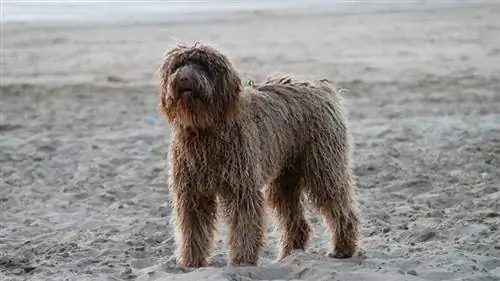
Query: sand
[[83, 192]]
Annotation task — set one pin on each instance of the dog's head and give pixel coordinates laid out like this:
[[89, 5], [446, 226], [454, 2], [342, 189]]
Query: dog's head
[[199, 87]]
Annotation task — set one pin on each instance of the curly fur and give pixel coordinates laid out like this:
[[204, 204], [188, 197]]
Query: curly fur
[[244, 148]]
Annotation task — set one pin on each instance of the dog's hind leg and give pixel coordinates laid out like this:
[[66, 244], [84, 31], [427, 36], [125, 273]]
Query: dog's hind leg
[[329, 184], [283, 196]]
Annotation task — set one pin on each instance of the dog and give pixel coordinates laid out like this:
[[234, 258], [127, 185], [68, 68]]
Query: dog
[[236, 150]]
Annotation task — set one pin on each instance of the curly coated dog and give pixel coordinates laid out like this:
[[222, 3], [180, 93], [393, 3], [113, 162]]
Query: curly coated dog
[[235, 150]]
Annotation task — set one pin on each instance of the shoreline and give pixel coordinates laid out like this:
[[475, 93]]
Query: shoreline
[[315, 8]]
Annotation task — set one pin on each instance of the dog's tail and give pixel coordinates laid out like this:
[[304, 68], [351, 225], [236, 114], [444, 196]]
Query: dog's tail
[[282, 80], [274, 81], [279, 80], [330, 87]]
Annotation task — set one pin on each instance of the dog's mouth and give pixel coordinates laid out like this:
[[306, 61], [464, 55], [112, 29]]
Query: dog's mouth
[[189, 92], [186, 91]]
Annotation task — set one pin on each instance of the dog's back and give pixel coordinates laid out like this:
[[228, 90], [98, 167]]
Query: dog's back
[[292, 115], [312, 97], [272, 84]]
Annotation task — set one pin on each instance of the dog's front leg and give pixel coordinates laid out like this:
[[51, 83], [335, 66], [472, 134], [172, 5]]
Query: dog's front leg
[[244, 214], [194, 215], [195, 223]]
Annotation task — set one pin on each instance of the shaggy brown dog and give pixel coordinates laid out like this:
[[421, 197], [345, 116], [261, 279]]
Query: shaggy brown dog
[[228, 142]]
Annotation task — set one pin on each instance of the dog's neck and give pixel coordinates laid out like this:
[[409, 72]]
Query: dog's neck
[[212, 131]]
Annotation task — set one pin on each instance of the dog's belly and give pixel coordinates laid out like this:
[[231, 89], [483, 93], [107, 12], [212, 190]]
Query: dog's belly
[[279, 152]]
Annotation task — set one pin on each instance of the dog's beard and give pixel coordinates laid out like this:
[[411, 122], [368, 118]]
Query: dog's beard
[[192, 113], [193, 107]]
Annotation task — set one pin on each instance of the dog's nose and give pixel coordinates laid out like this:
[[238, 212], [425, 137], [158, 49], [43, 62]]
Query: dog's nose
[[186, 83]]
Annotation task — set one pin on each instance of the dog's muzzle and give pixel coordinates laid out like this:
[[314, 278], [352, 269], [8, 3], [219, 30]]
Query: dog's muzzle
[[186, 85], [186, 81]]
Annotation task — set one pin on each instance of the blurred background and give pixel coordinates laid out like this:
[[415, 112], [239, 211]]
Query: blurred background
[[120, 10], [83, 151]]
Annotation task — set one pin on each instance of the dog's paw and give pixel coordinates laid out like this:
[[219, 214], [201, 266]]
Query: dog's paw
[[342, 254]]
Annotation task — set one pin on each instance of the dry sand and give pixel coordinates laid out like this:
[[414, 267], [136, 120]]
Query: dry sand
[[83, 192]]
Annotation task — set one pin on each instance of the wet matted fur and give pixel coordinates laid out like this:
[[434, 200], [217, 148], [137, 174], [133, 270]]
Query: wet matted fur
[[239, 149]]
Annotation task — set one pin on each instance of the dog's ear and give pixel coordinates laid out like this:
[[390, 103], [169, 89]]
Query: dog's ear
[[166, 66], [169, 56], [163, 73], [230, 80]]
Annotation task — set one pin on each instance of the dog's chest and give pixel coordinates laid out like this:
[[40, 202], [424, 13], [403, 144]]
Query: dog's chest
[[211, 159]]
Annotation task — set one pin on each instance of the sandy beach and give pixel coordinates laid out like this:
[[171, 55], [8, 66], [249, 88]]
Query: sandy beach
[[83, 192]]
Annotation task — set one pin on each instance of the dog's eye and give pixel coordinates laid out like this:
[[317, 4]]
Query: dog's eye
[[203, 67], [175, 66]]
